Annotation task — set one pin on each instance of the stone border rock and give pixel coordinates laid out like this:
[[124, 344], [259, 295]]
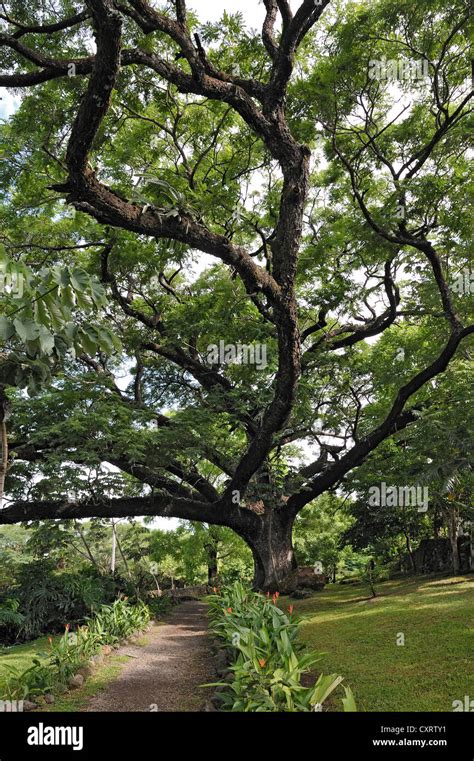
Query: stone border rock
[[223, 659]]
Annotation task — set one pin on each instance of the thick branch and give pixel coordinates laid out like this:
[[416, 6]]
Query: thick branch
[[160, 505]]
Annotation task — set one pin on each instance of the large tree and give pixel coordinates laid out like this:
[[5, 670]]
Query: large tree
[[332, 197]]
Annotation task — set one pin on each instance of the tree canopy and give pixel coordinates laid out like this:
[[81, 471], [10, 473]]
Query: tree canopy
[[294, 198]]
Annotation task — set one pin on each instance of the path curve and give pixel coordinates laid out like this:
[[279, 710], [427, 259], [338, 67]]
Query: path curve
[[165, 674]]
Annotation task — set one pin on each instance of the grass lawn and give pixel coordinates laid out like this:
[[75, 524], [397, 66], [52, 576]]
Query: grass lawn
[[359, 639], [77, 700], [21, 656]]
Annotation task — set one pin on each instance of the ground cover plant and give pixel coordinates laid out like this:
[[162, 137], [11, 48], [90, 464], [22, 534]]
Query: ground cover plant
[[267, 662], [52, 670]]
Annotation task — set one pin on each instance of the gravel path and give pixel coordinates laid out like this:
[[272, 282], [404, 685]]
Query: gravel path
[[165, 673]]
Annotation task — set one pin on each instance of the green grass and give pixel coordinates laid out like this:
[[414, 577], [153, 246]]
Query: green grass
[[358, 637], [21, 656], [77, 700]]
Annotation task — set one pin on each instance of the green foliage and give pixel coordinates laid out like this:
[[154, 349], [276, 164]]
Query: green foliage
[[192, 551], [10, 616], [268, 661], [44, 598], [117, 621], [44, 318], [37, 680], [159, 606], [69, 653]]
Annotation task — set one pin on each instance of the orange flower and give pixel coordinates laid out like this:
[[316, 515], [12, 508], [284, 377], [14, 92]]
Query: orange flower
[[262, 662], [277, 595], [229, 610], [50, 640], [290, 609]]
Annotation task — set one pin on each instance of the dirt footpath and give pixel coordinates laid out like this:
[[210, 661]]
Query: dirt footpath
[[164, 674]]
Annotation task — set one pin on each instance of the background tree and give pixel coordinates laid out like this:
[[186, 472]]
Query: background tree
[[435, 456], [332, 204]]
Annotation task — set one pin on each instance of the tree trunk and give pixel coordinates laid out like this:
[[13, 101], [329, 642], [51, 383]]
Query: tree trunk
[[211, 564], [275, 567], [410, 551], [453, 533]]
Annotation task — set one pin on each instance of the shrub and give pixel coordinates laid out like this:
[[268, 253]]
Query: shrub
[[10, 616], [267, 661], [117, 621], [158, 606], [36, 680], [45, 598], [111, 624]]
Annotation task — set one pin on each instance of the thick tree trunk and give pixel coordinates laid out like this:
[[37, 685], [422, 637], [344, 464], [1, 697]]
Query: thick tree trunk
[[275, 567]]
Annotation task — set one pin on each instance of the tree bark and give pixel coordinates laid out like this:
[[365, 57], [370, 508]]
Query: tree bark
[[453, 533], [275, 567], [410, 551], [211, 564]]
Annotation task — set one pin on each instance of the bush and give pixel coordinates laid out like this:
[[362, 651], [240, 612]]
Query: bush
[[158, 606], [45, 598], [35, 681], [10, 619], [118, 621], [268, 662], [111, 624]]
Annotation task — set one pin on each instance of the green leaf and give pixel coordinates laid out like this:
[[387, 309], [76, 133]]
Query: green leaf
[[67, 297], [40, 313], [80, 280], [46, 340], [27, 330], [7, 328], [105, 340], [87, 337], [98, 294], [348, 702]]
